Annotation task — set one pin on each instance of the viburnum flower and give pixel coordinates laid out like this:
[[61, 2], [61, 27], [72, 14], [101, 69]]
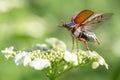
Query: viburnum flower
[[54, 59], [98, 62], [8, 52], [101, 61], [39, 63], [22, 56], [71, 57]]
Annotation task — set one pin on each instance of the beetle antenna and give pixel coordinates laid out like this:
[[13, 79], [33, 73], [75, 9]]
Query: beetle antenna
[[62, 24]]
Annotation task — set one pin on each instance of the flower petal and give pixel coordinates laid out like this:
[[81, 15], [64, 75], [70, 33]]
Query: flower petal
[[8, 52], [39, 63], [95, 65], [26, 60], [20, 57], [71, 57], [102, 62]]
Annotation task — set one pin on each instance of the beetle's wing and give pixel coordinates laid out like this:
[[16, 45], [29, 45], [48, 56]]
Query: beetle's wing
[[80, 17], [96, 20]]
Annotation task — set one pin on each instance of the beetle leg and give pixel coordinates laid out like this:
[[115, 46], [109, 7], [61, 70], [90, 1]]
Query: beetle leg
[[72, 42], [85, 42], [77, 43]]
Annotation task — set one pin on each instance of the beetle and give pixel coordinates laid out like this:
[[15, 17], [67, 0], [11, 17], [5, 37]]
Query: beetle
[[80, 26]]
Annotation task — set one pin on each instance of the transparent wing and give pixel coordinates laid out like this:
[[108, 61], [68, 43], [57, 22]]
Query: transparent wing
[[97, 20]]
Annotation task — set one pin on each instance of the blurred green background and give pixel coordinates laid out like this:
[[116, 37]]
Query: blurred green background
[[26, 22]]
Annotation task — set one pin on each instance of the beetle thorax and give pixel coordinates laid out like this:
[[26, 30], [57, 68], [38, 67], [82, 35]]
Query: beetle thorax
[[76, 32]]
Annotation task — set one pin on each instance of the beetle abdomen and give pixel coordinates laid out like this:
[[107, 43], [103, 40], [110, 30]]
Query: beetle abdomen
[[89, 36]]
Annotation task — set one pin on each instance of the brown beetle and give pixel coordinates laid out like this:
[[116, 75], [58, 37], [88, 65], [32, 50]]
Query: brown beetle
[[80, 26]]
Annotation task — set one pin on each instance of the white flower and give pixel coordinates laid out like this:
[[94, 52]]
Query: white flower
[[39, 63], [57, 43], [22, 56], [95, 65], [100, 61], [26, 60], [71, 57], [8, 52]]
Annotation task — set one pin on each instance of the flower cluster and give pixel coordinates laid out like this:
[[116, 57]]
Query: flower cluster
[[54, 59]]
